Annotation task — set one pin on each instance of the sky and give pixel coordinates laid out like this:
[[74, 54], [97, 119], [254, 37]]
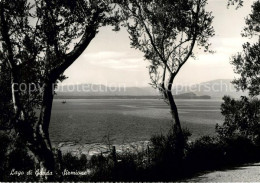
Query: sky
[[110, 60]]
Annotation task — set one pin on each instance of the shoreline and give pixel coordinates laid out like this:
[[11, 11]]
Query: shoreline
[[92, 149]]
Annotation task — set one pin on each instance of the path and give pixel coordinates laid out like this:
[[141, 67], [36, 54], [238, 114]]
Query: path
[[246, 173]]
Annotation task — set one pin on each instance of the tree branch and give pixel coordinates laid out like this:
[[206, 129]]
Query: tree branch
[[11, 62], [74, 54], [193, 40], [6, 38], [151, 39], [163, 83]]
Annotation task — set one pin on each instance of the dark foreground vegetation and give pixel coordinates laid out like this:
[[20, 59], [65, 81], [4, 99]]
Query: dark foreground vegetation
[[159, 164], [235, 143]]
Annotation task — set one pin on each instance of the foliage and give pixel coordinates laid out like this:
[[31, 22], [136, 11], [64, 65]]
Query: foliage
[[160, 163], [205, 153], [102, 168], [242, 118], [39, 40], [167, 148], [5, 98], [167, 37], [212, 153], [167, 155], [4, 143], [41, 37], [253, 20], [73, 164], [246, 63], [13, 156], [239, 3]]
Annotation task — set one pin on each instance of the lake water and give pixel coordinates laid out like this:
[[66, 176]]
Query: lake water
[[128, 120]]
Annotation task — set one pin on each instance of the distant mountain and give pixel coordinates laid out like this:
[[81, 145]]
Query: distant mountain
[[180, 96], [102, 90], [215, 89]]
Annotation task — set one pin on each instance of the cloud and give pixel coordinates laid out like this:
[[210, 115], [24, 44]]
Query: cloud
[[224, 47], [115, 60], [104, 55]]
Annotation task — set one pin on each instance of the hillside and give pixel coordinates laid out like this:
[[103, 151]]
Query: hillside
[[180, 96], [216, 89]]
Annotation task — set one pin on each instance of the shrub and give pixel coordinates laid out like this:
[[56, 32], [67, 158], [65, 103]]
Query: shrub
[[101, 168], [128, 167], [70, 163], [208, 153], [4, 143], [205, 153], [13, 155], [167, 155], [240, 149], [242, 118]]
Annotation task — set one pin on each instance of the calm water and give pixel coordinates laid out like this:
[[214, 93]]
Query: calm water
[[127, 120]]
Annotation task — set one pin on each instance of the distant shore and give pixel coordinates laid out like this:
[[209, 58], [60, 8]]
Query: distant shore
[[106, 97], [181, 96], [91, 149]]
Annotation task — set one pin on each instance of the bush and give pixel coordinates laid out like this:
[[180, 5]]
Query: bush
[[205, 153], [70, 163], [4, 143], [101, 168], [167, 155], [126, 167], [242, 118], [13, 155], [209, 153], [240, 149], [169, 158], [163, 161]]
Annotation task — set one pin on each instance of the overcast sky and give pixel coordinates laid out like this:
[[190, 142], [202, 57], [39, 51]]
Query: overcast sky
[[110, 60]]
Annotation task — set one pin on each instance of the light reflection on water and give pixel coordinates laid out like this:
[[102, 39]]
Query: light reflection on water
[[89, 120]]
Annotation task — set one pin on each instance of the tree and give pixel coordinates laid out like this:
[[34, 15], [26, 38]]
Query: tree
[[5, 97], [39, 40], [167, 32], [242, 116], [247, 62]]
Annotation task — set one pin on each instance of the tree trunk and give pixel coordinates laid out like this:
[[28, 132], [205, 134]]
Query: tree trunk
[[36, 137], [38, 148], [174, 112], [180, 143], [42, 126], [43, 159], [45, 156], [173, 107]]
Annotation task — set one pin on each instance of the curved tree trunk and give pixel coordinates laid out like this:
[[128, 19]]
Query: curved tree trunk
[[45, 156], [34, 133], [173, 107], [38, 148], [174, 112], [36, 137], [180, 143]]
